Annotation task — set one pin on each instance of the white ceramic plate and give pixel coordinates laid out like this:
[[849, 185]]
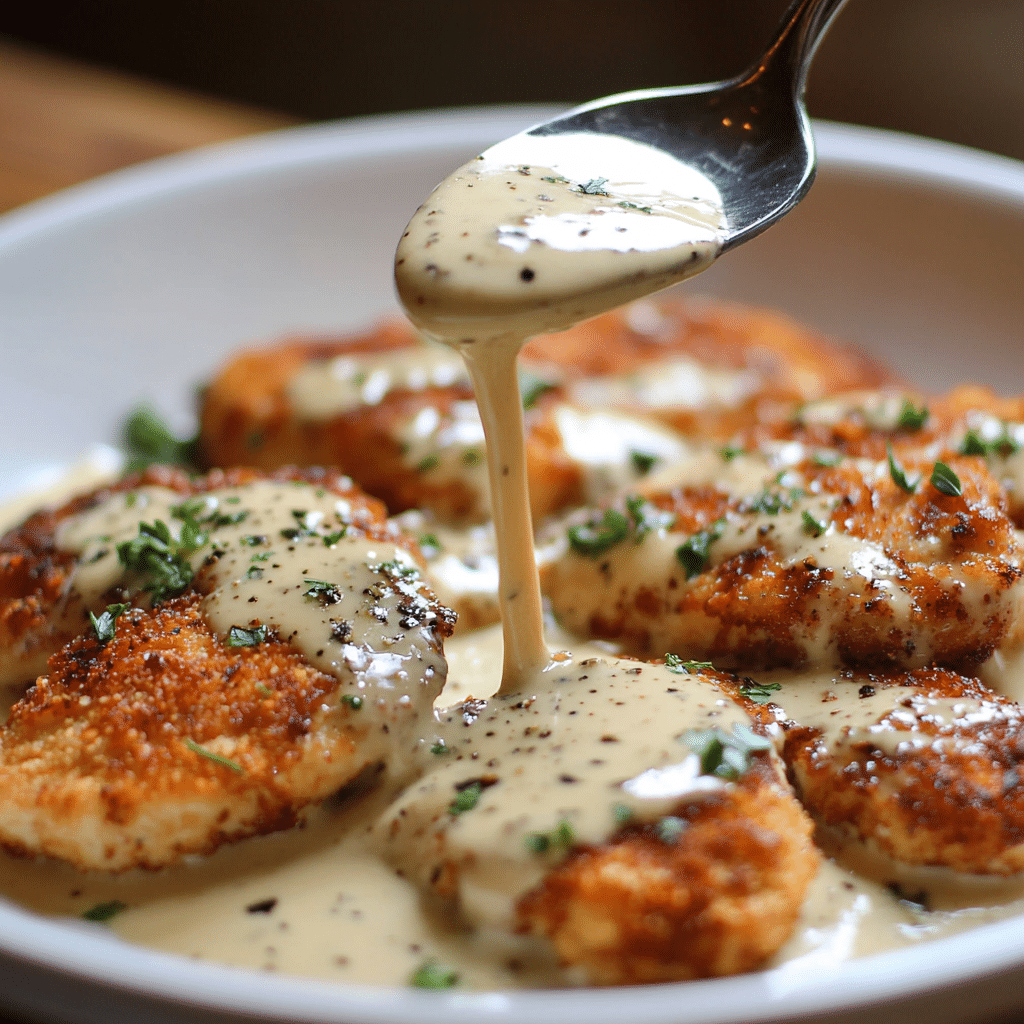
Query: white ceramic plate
[[135, 286]]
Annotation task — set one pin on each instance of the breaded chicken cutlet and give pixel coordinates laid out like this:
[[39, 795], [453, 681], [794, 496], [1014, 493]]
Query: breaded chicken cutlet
[[251, 644], [798, 554], [398, 414]]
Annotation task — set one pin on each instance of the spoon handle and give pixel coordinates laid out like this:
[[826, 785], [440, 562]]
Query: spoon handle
[[790, 53]]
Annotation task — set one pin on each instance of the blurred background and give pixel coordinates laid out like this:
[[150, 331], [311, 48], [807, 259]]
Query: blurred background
[[88, 87]]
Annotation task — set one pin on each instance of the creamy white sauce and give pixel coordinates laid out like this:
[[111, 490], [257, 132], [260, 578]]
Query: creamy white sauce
[[541, 232]]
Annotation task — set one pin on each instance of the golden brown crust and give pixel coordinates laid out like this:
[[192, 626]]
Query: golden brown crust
[[950, 795], [246, 418], [719, 900], [949, 567]]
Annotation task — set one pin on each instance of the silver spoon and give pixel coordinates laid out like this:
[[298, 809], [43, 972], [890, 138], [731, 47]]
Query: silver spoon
[[749, 135]]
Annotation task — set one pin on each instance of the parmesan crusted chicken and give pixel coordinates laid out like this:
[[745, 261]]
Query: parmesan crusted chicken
[[901, 562], [640, 826], [924, 767], [604, 402], [255, 644]]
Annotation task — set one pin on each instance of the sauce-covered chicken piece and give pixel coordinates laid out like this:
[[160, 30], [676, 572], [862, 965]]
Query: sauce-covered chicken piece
[[622, 814], [760, 561], [251, 645], [924, 768], [604, 403]]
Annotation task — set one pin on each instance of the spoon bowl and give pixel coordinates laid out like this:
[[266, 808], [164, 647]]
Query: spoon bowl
[[750, 136]]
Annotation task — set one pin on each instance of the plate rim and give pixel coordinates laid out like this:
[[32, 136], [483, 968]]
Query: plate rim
[[101, 958]]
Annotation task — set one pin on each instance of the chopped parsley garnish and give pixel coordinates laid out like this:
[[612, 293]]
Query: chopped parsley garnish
[[730, 452], [263, 690], [643, 462], [224, 762], [429, 545], [695, 553], [324, 592], [354, 701], [555, 179], [427, 464], [531, 388], [759, 693], [645, 516], [974, 444], [238, 636], [827, 458], [633, 206], [330, 539], [599, 533], [911, 418], [160, 559], [560, 837], [945, 481], [103, 912], [724, 755], [669, 829], [676, 664], [253, 540], [104, 626], [466, 799], [440, 747], [594, 187], [621, 813], [471, 457], [772, 502], [899, 474], [815, 527], [147, 439], [433, 975]]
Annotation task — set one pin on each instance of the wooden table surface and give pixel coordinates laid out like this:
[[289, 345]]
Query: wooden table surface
[[62, 122]]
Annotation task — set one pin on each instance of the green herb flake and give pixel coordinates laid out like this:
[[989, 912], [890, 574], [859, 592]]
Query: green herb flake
[[561, 837], [815, 527], [643, 462], [622, 814], [599, 533], [556, 179], [695, 554], [323, 591], [263, 690], [645, 516], [827, 458], [912, 418], [238, 636], [466, 799], [427, 464], [159, 559], [945, 481], [594, 187], [224, 762], [676, 664], [669, 829], [430, 545], [440, 747], [104, 626], [103, 912], [633, 206], [724, 755], [759, 693], [730, 452], [532, 387], [354, 701], [432, 975], [330, 539], [472, 457], [148, 440], [899, 474]]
